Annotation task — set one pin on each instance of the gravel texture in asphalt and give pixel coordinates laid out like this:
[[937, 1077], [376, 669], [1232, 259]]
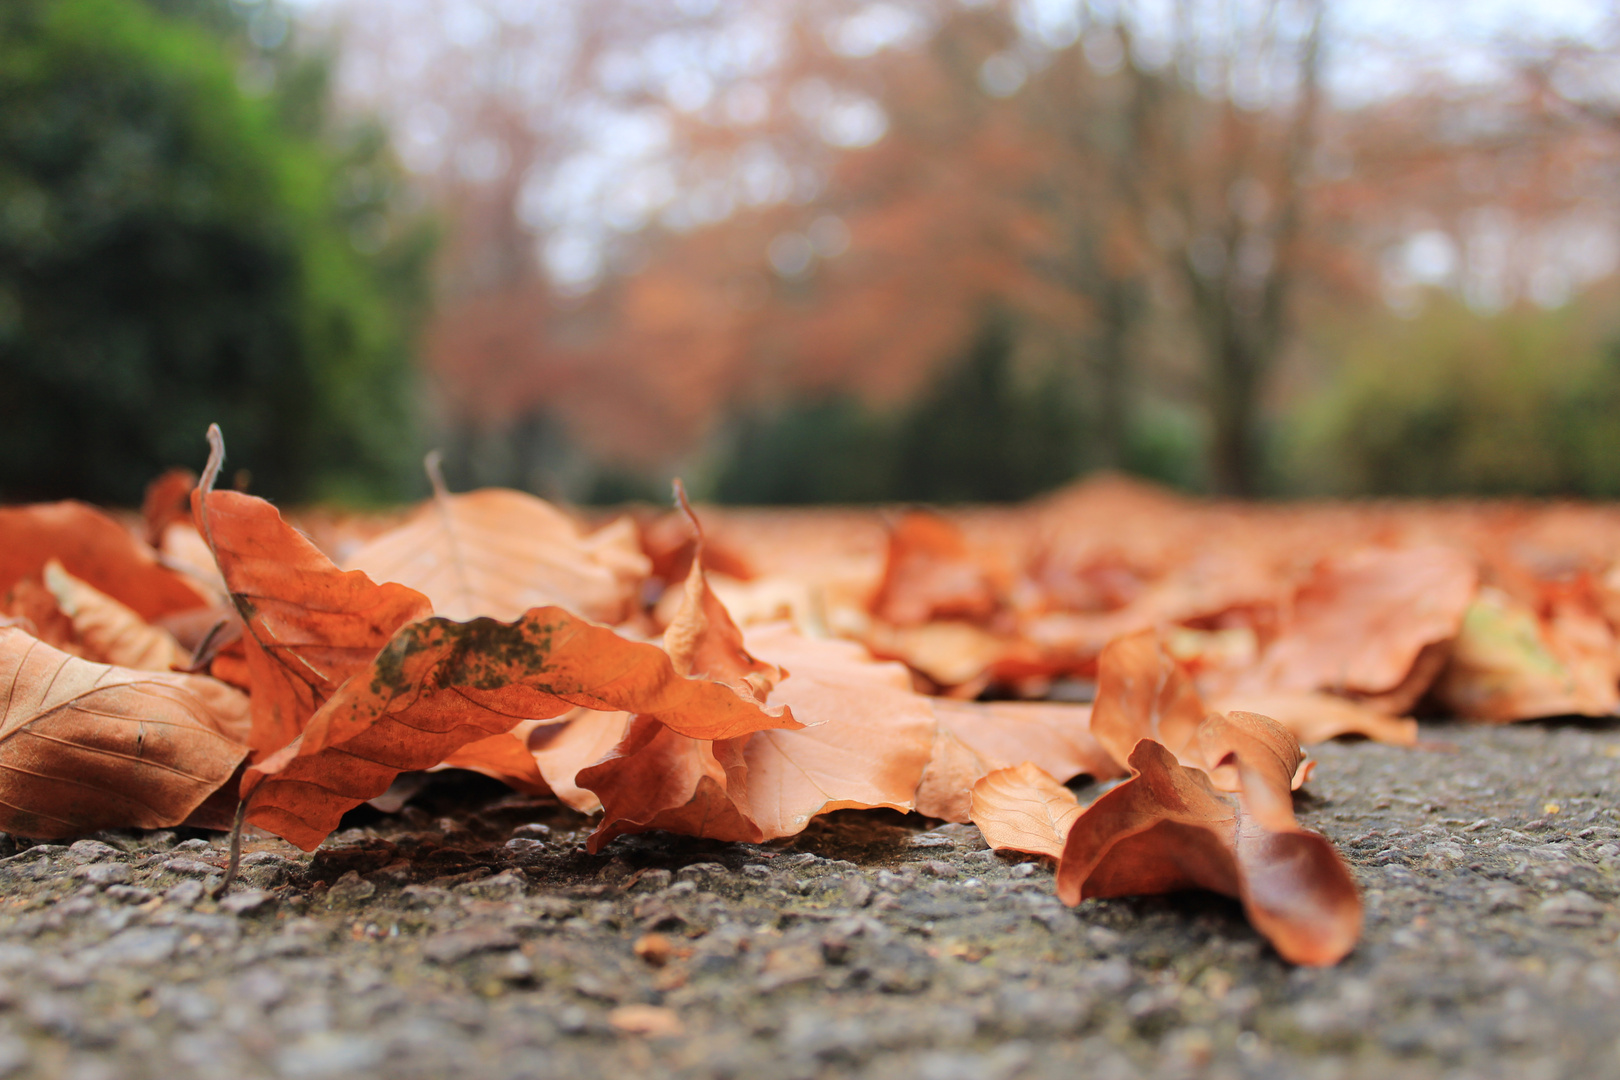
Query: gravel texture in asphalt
[[472, 935]]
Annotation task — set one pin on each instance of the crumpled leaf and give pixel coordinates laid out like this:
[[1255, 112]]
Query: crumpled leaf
[[931, 574], [498, 553], [95, 549], [167, 500], [1024, 808], [976, 738], [1360, 623], [1506, 666], [439, 685], [1316, 717], [86, 746], [110, 632], [504, 757], [1143, 692], [561, 748], [1168, 828], [308, 626], [865, 741]]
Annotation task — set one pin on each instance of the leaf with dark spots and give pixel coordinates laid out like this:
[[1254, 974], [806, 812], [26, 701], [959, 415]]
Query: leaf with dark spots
[[308, 626], [439, 685]]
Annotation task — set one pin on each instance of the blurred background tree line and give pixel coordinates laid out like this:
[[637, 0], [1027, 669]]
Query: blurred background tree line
[[828, 250]]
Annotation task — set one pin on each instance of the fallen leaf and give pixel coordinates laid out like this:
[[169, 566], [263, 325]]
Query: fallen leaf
[[930, 574], [1316, 717], [1361, 621], [308, 626], [1167, 828], [498, 553], [31, 606], [1055, 734], [1504, 668], [1143, 692], [504, 757], [167, 500], [439, 684], [86, 746], [95, 549], [110, 632], [1024, 808], [945, 789], [562, 747], [977, 737], [864, 743]]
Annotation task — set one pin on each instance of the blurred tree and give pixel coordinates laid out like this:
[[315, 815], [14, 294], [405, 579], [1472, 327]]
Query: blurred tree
[[978, 433], [1519, 402], [186, 237]]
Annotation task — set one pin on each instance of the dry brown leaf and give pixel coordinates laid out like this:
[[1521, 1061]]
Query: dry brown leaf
[[1023, 808], [86, 746], [498, 553], [1503, 667], [574, 741], [167, 500], [308, 625], [977, 737], [504, 757], [1167, 828], [945, 789], [31, 606], [110, 632], [439, 684], [1143, 692], [1362, 620], [95, 549], [931, 574], [1055, 734], [865, 741], [1315, 717]]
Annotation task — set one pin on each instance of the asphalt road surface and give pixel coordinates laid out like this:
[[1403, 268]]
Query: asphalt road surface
[[472, 935]]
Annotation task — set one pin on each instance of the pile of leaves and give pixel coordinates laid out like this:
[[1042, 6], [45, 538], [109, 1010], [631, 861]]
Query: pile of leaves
[[212, 664]]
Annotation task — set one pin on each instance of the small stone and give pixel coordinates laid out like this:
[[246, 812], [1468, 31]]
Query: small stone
[[503, 886], [351, 888], [129, 894], [757, 871], [245, 903], [939, 869], [653, 880], [327, 1053], [653, 1021], [13, 1054], [533, 829], [790, 964], [857, 893], [1571, 908], [190, 867], [525, 845], [453, 945], [1022, 870], [193, 845], [932, 840], [185, 894], [92, 851], [102, 874]]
